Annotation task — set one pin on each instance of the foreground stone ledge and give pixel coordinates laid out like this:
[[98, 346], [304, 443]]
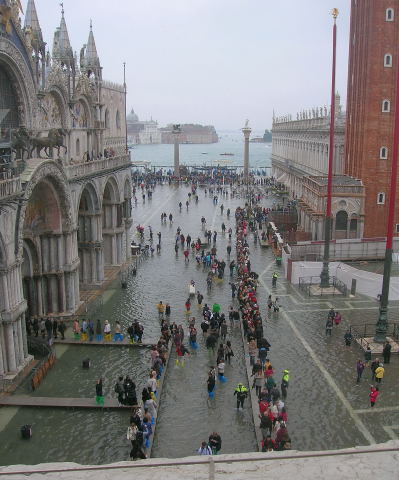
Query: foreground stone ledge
[[367, 462]]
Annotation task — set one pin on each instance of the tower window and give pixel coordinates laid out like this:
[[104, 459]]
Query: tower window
[[397, 228], [386, 106], [118, 120], [77, 149], [383, 153], [388, 60], [381, 198], [389, 14]]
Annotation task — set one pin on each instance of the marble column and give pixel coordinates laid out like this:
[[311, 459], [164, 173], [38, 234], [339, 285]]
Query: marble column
[[176, 156], [2, 369], [61, 293], [247, 133], [24, 337], [10, 347]]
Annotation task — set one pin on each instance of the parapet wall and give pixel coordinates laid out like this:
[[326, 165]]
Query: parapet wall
[[376, 461]]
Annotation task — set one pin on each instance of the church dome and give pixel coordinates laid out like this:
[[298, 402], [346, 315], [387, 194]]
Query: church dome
[[132, 117]]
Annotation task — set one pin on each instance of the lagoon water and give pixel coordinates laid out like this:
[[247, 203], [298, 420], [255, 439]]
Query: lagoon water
[[208, 154]]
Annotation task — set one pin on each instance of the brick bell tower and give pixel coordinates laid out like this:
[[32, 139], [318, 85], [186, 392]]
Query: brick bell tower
[[373, 62]]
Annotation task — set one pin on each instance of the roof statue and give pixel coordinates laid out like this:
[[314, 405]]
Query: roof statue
[[246, 123]]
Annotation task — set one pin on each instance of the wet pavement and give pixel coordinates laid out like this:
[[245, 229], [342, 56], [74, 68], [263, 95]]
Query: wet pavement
[[325, 406]]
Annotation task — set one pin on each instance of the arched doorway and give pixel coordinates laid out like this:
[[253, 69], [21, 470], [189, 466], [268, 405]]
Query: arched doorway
[[341, 224], [90, 246], [50, 265], [112, 225]]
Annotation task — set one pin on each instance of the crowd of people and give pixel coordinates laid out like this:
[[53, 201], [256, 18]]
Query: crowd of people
[[271, 399], [143, 417]]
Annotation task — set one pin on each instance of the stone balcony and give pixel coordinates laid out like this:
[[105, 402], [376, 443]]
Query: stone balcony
[[94, 167], [10, 187]]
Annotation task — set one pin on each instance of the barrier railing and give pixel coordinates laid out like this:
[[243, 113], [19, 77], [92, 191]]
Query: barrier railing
[[9, 186], [339, 288]]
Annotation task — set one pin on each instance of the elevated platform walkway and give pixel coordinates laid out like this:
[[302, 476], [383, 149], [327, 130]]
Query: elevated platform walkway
[[57, 402]]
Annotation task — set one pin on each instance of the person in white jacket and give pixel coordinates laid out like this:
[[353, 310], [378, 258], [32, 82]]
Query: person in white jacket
[[204, 449]]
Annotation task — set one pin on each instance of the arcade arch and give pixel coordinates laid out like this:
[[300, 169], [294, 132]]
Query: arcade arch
[[112, 225], [90, 245]]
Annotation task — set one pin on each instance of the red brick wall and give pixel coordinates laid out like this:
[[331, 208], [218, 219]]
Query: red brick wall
[[369, 83]]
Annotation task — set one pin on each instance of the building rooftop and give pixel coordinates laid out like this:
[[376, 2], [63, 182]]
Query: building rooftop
[[338, 180]]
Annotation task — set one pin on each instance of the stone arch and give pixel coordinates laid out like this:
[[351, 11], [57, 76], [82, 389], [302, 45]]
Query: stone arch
[[90, 245], [60, 95], [112, 223], [14, 64], [30, 270], [45, 232]]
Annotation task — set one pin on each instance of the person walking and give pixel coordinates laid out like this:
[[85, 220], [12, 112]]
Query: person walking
[[329, 325], [379, 373], [99, 392], [367, 355], [242, 394], [274, 279], [374, 364], [161, 310], [359, 370], [61, 329], [284, 384], [373, 395], [348, 338], [386, 352]]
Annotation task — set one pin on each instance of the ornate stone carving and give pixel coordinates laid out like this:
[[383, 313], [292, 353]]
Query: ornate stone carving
[[49, 114], [57, 78], [86, 87]]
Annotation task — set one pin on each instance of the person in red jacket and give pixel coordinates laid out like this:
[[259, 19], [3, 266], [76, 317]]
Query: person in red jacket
[[373, 395]]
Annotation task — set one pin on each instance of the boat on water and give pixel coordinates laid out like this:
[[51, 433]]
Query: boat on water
[[204, 153], [227, 154]]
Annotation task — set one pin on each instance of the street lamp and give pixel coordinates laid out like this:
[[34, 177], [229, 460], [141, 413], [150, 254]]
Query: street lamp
[[325, 274], [382, 323]]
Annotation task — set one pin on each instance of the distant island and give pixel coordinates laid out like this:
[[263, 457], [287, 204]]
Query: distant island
[[190, 133], [267, 138], [147, 132]]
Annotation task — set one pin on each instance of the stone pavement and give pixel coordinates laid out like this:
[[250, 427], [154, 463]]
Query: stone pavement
[[327, 401]]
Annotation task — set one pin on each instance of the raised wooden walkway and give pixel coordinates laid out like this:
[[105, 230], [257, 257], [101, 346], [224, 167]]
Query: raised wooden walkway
[[55, 402], [123, 343]]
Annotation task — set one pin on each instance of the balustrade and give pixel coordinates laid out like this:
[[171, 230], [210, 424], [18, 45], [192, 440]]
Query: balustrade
[[91, 167]]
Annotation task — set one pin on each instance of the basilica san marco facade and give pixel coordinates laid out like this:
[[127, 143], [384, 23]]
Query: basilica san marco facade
[[65, 182]]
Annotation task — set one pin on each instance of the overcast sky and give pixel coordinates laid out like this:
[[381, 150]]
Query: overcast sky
[[212, 61]]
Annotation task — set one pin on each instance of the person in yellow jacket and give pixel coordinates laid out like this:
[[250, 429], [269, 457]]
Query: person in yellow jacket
[[284, 384], [242, 394], [161, 310], [379, 373]]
